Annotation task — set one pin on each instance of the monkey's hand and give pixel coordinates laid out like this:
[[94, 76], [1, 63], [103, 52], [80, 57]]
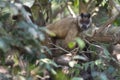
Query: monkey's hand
[[52, 34], [90, 32]]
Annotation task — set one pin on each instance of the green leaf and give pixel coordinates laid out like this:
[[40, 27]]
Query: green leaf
[[86, 65], [80, 57], [33, 32], [99, 76], [81, 43], [111, 69], [77, 78], [107, 54], [48, 61], [41, 36], [1, 24], [92, 65], [3, 45], [2, 30], [71, 44], [103, 76], [76, 3], [53, 71], [98, 62], [52, 34], [5, 16], [23, 25]]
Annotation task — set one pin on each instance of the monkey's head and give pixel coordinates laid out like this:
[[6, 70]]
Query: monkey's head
[[84, 21]]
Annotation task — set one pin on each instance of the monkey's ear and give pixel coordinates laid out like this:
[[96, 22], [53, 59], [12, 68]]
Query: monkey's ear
[[89, 15], [82, 15]]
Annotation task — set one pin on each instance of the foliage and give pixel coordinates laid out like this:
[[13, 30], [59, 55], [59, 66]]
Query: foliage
[[23, 53]]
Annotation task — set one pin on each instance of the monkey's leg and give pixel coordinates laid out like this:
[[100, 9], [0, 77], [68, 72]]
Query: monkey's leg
[[71, 35]]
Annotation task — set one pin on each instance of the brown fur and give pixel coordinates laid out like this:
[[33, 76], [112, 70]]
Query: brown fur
[[66, 29]]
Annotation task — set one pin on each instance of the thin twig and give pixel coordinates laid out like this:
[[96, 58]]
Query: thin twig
[[71, 11], [74, 51], [93, 44], [60, 48]]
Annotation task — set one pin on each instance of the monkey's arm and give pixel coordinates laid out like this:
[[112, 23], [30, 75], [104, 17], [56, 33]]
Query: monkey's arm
[[71, 35], [90, 32]]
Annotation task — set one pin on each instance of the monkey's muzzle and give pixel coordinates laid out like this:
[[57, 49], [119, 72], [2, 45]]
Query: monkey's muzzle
[[84, 27]]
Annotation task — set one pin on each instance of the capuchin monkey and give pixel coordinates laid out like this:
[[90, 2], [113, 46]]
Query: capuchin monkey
[[69, 28]]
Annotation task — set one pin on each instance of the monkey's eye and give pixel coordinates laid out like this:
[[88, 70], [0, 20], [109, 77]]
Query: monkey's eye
[[87, 15], [84, 21]]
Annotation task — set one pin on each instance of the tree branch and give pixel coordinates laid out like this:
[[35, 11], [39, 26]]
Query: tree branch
[[108, 22], [71, 11]]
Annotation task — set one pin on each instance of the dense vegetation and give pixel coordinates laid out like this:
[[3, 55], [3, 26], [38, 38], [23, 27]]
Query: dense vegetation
[[23, 55]]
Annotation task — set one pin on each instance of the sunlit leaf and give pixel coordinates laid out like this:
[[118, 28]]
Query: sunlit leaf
[[77, 78], [76, 3], [6, 10], [72, 63], [98, 62], [103, 2], [71, 44], [35, 71], [81, 43], [48, 61], [43, 29], [28, 3], [52, 34], [15, 59], [13, 10], [53, 71], [33, 32], [28, 49], [80, 57], [45, 60]]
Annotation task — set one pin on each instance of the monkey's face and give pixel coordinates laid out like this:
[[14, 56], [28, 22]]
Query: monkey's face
[[84, 21]]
